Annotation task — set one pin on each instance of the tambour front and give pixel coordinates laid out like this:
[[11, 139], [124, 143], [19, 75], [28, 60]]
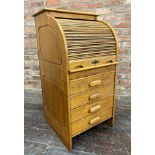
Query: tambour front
[[78, 57]]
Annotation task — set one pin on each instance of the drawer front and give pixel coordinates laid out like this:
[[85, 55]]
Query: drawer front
[[91, 72], [84, 84], [91, 96], [89, 109], [90, 121], [84, 64]]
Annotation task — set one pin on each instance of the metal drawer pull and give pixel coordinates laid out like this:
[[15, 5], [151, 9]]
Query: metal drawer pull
[[95, 108], [95, 83], [94, 96], [94, 120]]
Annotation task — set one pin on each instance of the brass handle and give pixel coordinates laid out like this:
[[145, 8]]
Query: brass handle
[[94, 96], [95, 108], [94, 120], [95, 83]]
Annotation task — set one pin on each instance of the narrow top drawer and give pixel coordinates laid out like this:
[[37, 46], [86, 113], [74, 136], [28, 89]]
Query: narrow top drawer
[[85, 64], [91, 72]]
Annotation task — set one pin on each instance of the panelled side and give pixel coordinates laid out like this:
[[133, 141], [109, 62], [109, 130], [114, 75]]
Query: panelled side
[[53, 67]]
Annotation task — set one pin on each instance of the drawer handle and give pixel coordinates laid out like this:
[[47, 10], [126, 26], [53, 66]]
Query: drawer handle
[[95, 83], [77, 67], [95, 108], [94, 96], [109, 61], [94, 120]]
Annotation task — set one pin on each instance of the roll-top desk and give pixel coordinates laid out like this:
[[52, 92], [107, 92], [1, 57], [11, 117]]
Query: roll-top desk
[[78, 58]]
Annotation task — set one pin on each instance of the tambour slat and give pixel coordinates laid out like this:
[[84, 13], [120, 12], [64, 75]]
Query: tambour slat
[[86, 53], [84, 28], [92, 45], [105, 31], [82, 43], [90, 48], [87, 39], [79, 53], [89, 35], [91, 51], [84, 25], [92, 39], [90, 42]]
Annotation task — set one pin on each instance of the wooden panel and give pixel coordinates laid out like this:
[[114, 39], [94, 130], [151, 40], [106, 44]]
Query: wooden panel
[[84, 64], [90, 72], [54, 75], [58, 128], [91, 82], [54, 104], [52, 70], [72, 16], [90, 121], [67, 14], [91, 96], [49, 44], [84, 111]]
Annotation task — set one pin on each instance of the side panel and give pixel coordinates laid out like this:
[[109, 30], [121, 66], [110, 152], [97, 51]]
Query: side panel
[[49, 44], [53, 67], [54, 99]]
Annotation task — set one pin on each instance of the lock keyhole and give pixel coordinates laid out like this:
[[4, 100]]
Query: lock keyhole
[[95, 61]]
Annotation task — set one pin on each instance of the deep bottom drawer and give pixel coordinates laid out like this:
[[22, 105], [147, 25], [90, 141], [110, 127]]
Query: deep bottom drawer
[[89, 109], [90, 121]]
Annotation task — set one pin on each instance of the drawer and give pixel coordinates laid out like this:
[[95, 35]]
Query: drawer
[[84, 64], [91, 96], [91, 72], [89, 109], [91, 121], [96, 81]]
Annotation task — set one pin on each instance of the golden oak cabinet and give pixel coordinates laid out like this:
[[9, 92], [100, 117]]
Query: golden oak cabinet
[[78, 57]]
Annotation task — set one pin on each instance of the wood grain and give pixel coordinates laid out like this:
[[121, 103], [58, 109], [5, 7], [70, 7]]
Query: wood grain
[[90, 62], [89, 32], [83, 111], [77, 56], [53, 66], [91, 96], [92, 71], [90, 121], [91, 82]]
